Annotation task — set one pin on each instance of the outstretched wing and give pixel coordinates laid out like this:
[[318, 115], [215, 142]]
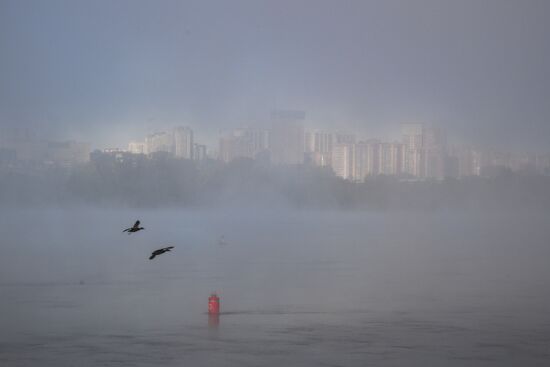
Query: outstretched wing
[[136, 224], [127, 229], [152, 256], [168, 248]]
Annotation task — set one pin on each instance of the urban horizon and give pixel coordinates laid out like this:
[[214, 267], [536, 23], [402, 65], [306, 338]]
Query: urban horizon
[[422, 151]]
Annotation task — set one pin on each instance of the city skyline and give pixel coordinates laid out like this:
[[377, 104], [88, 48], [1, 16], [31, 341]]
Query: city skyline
[[421, 151]]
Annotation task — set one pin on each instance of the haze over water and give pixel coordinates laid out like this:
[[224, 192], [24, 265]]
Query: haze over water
[[298, 288], [379, 171]]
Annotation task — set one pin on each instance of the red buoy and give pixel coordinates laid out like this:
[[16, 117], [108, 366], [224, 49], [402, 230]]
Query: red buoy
[[214, 304]]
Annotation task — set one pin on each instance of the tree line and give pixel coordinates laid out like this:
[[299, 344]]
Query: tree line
[[161, 181]]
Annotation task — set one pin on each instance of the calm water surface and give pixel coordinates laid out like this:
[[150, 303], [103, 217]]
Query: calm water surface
[[297, 289]]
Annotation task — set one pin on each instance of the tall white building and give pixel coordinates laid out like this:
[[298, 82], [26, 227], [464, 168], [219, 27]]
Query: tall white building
[[137, 147], [390, 158], [318, 147], [464, 156], [309, 141], [425, 151], [159, 142], [343, 161], [367, 161], [244, 143], [323, 142], [183, 142], [251, 142], [412, 141]]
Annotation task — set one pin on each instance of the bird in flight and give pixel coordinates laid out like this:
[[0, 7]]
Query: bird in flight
[[160, 252], [134, 228]]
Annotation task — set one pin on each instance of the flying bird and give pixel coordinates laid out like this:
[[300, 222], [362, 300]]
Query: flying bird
[[160, 252], [135, 228]]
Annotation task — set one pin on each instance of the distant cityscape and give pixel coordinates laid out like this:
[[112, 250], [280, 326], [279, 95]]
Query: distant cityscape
[[421, 153]]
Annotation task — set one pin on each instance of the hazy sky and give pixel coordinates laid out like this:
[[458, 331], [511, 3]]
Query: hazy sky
[[110, 71]]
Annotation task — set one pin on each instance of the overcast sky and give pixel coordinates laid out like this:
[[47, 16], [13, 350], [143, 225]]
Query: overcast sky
[[110, 71]]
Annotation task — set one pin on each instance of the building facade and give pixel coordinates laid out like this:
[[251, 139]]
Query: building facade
[[343, 161], [286, 139], [183, 142]]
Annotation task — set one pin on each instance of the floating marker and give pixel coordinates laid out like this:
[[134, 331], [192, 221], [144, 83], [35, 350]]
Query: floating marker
[[214, 304]]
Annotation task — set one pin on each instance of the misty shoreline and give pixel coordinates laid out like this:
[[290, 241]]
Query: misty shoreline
[[164, 182], [298, 192]]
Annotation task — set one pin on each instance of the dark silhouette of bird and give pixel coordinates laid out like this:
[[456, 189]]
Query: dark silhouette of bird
[[134, 228], [160, 252]]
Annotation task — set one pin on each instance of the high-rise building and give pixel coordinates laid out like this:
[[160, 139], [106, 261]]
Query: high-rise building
[[199, 152], [323, 142], [258, 139], [309, 142], [385, 162], [227, 144], [391, 158], [464, 156], [320, 159], [412, 142], [343, 161], [244, 143], [498, 159], [434, 153], [361, 161], [318, 147], [367, 159], [137, 147], [159, 142], [250, 142], [183, 142], [425, 151], [343, 138], [412, 135], [479, 161], [286, 139]]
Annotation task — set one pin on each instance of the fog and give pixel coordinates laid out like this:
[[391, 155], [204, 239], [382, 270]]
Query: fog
[[99, 71], [360, 182]]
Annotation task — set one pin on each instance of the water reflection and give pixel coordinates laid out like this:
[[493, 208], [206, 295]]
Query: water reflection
[[213, 321]]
